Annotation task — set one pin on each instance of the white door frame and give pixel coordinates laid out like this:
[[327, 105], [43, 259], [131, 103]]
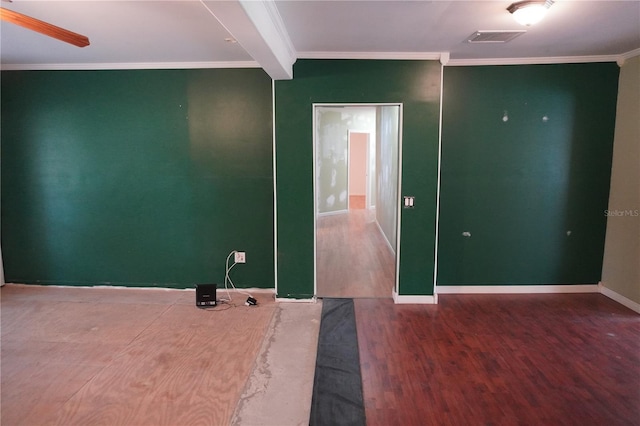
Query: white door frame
[[315, 195]]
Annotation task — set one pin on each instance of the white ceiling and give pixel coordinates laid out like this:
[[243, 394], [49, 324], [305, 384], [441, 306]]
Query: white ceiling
[[273, 34]]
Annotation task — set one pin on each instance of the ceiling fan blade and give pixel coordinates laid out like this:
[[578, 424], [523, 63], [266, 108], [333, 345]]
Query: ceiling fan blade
[[43, 27]]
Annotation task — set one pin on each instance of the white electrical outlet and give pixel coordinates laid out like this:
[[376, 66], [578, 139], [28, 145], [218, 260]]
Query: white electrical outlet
[[240, 257]]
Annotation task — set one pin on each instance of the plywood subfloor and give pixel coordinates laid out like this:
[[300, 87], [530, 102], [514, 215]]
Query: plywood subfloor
[[104, 356]]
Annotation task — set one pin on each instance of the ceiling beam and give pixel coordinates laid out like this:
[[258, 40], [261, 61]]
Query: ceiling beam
[[258, 28]]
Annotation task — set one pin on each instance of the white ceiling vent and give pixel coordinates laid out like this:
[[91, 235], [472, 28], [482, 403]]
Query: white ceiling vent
[[498, 36]]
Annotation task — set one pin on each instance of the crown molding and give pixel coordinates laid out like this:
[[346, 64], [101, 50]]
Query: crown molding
[[130, 66], [371, 55], [326, 55], [534, 61], [630, 54]]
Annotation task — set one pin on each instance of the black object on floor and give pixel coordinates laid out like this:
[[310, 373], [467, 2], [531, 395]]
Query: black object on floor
[[206, 295], [337, 386]]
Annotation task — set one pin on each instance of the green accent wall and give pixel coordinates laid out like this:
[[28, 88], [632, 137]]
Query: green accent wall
[[151, 177], [526, 164], [415, 84], [137, 178]]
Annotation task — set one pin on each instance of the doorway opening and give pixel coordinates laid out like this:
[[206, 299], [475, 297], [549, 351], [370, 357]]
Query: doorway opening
[[357, 166]]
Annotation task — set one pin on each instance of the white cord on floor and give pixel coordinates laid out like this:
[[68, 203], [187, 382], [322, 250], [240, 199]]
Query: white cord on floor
[[227, 278]]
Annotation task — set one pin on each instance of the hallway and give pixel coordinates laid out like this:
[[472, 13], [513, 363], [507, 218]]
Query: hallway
[[353, 257]]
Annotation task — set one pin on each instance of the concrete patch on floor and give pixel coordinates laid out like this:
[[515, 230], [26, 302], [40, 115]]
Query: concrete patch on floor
[[279, 389]]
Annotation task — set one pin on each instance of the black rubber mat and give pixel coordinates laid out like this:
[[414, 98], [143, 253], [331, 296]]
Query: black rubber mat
[[337, 386]]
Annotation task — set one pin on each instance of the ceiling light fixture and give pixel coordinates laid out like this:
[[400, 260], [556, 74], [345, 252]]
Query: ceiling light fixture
[[529, 12]]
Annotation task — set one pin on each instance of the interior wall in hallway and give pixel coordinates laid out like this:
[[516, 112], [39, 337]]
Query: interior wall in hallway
[[333, 124], [387, 148], [331, 161], [358, 160]]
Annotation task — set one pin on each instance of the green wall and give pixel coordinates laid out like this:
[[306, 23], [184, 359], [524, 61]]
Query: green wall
[[152, 177], [143, 178], [415, 84], [520, 186]]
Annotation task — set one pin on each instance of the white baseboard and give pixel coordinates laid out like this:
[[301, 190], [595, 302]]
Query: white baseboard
[[516, 289], [619, 298], [415, 299], [164, 289], [287, 300], [252, 290], [116, 287], [393, 250]]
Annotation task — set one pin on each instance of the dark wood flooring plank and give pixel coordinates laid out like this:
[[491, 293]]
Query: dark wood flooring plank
[[500, 359]]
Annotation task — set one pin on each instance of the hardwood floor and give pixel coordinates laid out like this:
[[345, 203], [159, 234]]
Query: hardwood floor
[[353, 258], [500, 360], [124, 356]]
